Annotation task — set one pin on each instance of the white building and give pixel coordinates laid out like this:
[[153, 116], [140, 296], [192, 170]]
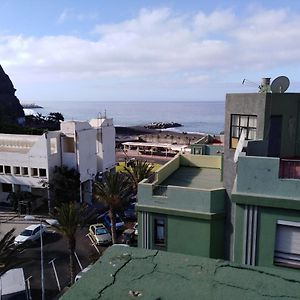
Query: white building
[[26, 160]]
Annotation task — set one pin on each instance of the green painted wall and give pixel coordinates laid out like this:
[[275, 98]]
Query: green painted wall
[[239, 234], [266, 233], [188, 236], [217, 246], [260, 175], [267, 218]]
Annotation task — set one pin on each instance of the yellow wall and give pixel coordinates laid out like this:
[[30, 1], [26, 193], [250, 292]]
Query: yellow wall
[[204, 161]]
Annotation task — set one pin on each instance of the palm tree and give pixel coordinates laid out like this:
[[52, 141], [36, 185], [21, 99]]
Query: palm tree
[[8, 251], [112, 191], [138, 171], [69, 217]]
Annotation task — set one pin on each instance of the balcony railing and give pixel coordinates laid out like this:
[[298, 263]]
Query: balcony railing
[[289, 168]]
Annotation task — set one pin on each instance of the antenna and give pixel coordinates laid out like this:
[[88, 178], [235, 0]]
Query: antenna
[[280, 84], [249, 83]]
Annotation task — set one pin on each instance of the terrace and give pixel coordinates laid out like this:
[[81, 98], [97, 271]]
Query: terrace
[[188, 183]]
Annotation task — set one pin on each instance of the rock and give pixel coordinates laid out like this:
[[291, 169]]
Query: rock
[[162, 125], [11, 111]]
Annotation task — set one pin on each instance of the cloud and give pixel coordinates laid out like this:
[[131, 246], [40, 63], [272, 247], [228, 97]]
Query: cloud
[[70, 14], [160, 43]]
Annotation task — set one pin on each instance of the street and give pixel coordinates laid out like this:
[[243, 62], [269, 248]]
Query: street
[[55, 246]]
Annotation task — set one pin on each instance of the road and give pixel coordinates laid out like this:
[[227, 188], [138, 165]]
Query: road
[[55, 247]]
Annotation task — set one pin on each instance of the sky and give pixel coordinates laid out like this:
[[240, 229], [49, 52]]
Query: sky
[[135, 50]]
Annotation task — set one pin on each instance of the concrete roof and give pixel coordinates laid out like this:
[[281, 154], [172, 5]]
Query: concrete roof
[[157, 145], [195, 177], [129, 273]]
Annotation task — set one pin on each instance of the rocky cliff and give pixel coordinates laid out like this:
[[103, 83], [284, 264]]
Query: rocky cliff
[[11, 110]]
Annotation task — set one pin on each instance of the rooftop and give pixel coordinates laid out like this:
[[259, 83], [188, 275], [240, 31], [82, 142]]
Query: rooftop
[[195, 177], [127, 273]]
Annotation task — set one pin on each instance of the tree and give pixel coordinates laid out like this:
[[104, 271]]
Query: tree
[[69, 217], [65, 185], [113, 191], [8, 252], [138, 171], [55, 117], [22, 198]]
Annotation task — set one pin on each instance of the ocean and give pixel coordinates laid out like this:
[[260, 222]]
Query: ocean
[[199, 116]]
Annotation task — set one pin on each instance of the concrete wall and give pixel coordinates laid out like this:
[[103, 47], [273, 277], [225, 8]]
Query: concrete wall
[[189, 235], [170, 167], [266, 233], [260, 175], [286, 105], [201, 161], [247, 104], [181, 198]]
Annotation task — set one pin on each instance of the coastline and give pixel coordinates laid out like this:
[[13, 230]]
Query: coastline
[[140, 133]]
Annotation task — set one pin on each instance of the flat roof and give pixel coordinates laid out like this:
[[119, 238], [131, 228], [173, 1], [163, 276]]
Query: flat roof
[[195, 177], [129, 273], [174, 147]]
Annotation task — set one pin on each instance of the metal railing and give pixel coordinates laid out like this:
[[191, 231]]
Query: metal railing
[[289, 168]]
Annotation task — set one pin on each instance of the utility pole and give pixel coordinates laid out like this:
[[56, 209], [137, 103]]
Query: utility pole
[[42, 263]]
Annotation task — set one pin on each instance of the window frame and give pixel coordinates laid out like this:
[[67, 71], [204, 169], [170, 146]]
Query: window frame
[[239, 126]]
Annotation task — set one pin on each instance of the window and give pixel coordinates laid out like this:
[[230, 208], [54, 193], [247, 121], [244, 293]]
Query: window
[[34, 172], [24, 171], [53, 145], [7, 169], [17, 170], [287, 246], [42, 172], [6, 187], [160, 231], [1, 169], [240, 122]]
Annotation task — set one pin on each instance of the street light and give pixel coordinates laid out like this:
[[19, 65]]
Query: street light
[[42, 262]]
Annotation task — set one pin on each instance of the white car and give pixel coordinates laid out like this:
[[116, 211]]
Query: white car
[[30, 233], [100, 234]]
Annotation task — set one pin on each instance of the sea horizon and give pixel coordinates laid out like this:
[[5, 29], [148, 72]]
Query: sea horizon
[[195, 116]]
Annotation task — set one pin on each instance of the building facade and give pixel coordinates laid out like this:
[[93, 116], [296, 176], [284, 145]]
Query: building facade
[[263, 182], [28, 160], [181, 209]]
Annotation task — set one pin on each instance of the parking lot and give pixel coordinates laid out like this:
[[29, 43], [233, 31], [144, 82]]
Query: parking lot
[[54, 247]]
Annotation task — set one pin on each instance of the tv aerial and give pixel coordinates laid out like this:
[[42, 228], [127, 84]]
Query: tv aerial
[[280, 84]]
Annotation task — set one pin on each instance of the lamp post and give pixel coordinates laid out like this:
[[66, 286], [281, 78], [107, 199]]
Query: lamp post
[[42, 262]]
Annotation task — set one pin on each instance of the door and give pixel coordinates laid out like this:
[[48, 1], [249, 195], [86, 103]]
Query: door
[[275, 136]]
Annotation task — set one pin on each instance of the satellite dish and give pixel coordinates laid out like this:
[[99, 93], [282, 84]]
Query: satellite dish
[[280, 84]]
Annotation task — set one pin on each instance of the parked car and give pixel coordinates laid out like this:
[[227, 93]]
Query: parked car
[[30, 233], [129, 212], [106, 221], [100, 234]]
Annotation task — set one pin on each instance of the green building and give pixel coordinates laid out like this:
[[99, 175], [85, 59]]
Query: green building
[[181, 209], [263, 181]]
